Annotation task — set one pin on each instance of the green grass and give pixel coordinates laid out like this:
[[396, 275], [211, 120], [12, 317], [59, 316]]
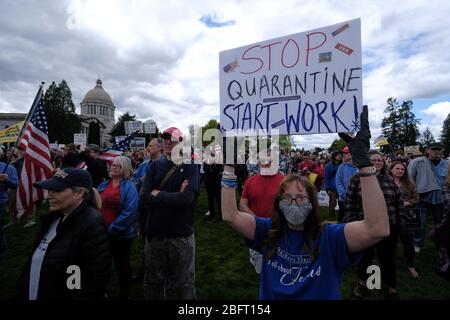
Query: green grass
[[223, 270]]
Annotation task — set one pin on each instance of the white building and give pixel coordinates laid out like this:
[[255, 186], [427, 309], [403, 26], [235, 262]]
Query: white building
[[98, 106]]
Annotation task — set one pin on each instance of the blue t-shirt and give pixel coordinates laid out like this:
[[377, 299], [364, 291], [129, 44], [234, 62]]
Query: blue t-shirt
[[291, 274]]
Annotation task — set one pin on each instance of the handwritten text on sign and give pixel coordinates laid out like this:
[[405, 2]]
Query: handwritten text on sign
[[304, 83]]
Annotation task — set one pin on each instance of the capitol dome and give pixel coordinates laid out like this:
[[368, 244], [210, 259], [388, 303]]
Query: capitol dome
[[98, 106], [98, 95]]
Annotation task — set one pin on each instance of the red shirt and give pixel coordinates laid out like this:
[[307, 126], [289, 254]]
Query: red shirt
[[110, 202], [260, 191]]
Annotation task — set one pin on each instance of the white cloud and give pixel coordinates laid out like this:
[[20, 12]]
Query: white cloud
[[438, 112]]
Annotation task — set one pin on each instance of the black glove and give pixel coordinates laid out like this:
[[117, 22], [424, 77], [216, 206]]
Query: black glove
[[359, 145]]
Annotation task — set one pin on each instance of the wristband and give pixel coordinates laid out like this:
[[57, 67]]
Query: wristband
[[372, 172]]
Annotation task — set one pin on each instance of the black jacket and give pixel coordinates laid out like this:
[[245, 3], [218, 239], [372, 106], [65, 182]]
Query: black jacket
[[96, 167], [82, 239]]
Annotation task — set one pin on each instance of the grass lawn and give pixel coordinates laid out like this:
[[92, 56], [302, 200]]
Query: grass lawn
[[223, 270]]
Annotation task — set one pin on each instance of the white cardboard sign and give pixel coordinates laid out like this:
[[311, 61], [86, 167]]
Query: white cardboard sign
[[150, 127], [79, 139], [303, 83], [132, 126]]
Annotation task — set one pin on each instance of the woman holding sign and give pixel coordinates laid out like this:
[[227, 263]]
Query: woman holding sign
[[302, 258], [399, 171]]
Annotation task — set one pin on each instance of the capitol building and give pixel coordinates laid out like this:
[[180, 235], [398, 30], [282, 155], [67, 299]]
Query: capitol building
[[97, 106]]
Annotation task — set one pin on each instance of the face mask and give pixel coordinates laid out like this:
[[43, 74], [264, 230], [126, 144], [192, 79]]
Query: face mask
[[296, 214]]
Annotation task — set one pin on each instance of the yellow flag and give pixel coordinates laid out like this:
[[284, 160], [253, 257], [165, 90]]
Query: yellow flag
[[312, 177]]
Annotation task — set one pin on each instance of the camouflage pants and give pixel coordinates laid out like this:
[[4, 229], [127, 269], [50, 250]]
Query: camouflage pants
[[170, 262]]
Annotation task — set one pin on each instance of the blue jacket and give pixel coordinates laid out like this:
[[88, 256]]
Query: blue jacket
[[330, 176], [124, 226], [11, 183], [343, 175], [141, 171]]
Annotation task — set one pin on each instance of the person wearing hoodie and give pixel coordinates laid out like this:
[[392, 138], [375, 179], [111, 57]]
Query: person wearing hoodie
[[120, 202], [330, 182], [343, 175]]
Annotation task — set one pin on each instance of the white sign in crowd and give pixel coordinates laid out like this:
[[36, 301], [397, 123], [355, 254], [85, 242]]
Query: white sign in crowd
[[303, 83]]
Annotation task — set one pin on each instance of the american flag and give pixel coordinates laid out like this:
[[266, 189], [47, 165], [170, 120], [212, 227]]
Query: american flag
[[118, 149], [37, 162]]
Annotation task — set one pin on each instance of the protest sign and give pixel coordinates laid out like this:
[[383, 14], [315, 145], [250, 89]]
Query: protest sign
[[413, 219], [11, 133], [304, 83], [132, 126], [412, 150], [79, 139], [138, 142], [150, 127]]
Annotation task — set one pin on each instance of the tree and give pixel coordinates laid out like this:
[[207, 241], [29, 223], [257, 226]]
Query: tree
[[211, 124], [390, 124], [400, 126], [94, 133], [445, 135], [62, 120], [409, 131], [426, 139], [338, 144], [119, 127]]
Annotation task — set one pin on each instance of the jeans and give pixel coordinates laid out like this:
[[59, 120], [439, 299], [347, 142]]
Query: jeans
[[2, 236], [170, 262], [436, 210]]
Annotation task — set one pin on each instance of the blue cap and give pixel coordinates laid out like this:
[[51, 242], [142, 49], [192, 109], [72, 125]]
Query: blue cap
[[66, 178]]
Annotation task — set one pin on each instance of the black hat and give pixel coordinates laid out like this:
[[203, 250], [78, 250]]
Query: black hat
[[435, 145], [66, 178]]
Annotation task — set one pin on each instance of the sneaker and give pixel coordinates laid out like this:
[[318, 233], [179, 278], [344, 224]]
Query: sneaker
[[207, 214], [29, 224], [416, 249], [360, 291]]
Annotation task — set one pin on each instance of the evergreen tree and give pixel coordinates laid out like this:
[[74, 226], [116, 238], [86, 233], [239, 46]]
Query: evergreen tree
[[390, 124], [408, 130], [427, 138], [119, 127], [445, 135], [62, 120]]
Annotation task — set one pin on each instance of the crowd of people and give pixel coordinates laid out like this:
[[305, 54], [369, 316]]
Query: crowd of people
[[97, 209]]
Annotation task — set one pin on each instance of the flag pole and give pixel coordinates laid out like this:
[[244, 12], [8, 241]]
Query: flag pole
[[27, 119]]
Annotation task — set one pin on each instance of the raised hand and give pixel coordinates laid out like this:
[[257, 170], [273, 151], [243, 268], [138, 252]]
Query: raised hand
[[360, 144]]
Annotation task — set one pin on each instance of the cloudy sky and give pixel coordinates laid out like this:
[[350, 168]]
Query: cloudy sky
[[159, 59]]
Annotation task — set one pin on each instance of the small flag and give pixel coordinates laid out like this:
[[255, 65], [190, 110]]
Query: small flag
[[380, 141], [118, 149]]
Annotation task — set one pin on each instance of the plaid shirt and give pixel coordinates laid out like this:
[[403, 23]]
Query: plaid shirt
[[392, 195], [445, 222]]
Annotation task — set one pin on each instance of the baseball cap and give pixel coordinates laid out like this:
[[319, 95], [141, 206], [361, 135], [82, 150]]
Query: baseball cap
[[346, 150], [66, 178], [436, 145], [172, 132]]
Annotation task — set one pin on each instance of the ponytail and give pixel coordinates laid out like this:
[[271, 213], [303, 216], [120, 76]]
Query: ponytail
[[94, 199]]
